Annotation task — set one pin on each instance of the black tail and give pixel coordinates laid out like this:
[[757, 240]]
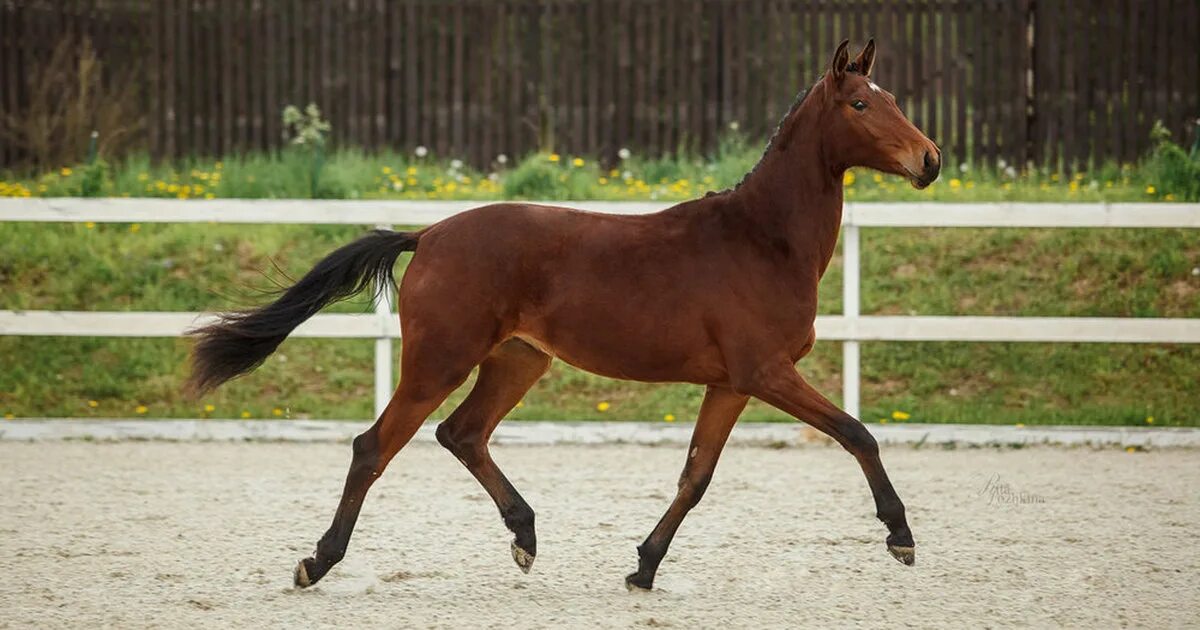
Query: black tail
[[240, 342]]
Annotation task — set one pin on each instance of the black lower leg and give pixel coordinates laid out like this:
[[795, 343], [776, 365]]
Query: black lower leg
[[654, 548], [332, 546]]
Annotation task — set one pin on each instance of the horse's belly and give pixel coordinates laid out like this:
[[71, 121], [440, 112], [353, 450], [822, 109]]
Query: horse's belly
[[631, 350]]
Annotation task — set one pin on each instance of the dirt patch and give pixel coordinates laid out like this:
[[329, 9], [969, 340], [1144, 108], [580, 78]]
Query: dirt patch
[[142, 534]]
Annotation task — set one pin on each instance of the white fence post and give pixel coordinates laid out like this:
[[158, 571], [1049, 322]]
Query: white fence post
[[383, 345], [850, 289]]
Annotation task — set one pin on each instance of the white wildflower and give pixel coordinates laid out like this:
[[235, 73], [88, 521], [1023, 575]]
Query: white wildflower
[[624, 153], [733, 126], [455, 164], [421, 151], [1010, 171], [964, 167], [501, 159]]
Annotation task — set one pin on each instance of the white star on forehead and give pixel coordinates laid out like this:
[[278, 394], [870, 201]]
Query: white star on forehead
[[874, 88]]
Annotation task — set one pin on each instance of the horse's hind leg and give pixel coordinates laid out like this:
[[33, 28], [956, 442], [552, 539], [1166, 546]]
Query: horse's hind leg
[[718, 413], [509, 371], [430, 371]]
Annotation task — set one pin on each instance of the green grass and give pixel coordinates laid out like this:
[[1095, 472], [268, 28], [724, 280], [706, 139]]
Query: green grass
[[1166, 174], [1067, 272]]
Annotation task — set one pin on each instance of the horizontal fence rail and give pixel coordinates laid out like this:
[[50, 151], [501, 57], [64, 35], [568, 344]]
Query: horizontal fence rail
[[851, 327], [1048, 81]]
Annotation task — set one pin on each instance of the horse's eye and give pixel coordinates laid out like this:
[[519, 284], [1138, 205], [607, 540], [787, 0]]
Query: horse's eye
[[859, 105]]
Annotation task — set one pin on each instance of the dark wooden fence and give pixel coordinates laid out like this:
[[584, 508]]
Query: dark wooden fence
[[1054, 82]]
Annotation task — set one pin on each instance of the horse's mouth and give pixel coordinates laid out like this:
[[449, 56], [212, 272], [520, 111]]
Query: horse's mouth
[[919, 182]]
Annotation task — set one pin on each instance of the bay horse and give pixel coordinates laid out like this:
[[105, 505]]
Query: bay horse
[[719, 291]]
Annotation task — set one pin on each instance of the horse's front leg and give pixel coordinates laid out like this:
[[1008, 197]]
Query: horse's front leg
[[718, 413], [778, 384]]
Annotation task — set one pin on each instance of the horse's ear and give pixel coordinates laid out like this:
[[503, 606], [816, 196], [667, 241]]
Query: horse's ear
[[840, 59], [866, 59]]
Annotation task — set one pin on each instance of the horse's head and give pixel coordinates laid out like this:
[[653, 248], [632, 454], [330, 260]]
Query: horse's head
[[863, 126]]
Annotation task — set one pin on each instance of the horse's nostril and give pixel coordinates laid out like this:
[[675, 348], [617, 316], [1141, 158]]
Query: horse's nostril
[[928, 161]]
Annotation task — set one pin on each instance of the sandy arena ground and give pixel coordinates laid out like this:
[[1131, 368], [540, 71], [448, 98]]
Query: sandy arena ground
[[144, 534]]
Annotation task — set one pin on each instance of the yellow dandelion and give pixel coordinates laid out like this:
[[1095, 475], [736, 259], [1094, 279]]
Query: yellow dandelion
[[209, 408], [577, 162], [669, 418], [1150, 190], [90, 224], [209, 196], [66, 172], [1149, 419], [173, 188], [901, 415], [603, 181], [848, 178], [93, 404], [602, 405], [878, 178], [9, 416], [277, 412], [554, 157], [245, 414], [143, 177], [135, 227], [387, 170], [140, 409], [1169, 197], [956, 183], [1130, 449], [1020, 425]]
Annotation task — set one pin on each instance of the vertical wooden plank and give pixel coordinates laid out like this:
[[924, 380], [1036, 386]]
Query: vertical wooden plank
[[275, 58], [1191, 78], [382, 74], [191, 32], [941, 59], [411, 98], [184, 83], [258, 74], [995, 80], [154, 70], [979, 79], [170, 148], [430, 51], [571, 18]]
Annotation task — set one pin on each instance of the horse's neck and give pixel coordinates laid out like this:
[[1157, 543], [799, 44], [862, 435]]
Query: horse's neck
[[794, 192]]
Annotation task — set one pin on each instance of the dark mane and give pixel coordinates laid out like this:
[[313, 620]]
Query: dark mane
[[771, 142]]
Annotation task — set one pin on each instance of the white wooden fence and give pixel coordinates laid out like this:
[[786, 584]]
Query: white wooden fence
[[851, 327]]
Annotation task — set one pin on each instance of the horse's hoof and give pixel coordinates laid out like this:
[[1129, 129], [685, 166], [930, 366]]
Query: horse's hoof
[[523, 558], [906, 555], [635, 583], [300, 577]]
